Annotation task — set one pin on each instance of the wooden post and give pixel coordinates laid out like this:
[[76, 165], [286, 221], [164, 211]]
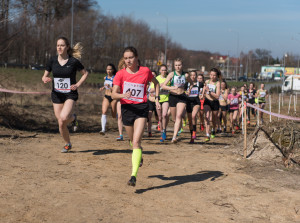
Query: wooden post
[[270, 106], [295, 104], [290, 104], [243, 117], [279, 105], [245, 131]]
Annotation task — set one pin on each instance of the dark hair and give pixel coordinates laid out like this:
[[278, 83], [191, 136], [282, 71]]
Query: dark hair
[[131, 49], [219, 74], [223, 81], [252, 84], [201, 76], [154, 72], [163, 65], [113, 67]]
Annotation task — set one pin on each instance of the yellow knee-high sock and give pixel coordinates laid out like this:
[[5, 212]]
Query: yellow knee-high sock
[[136, 160]]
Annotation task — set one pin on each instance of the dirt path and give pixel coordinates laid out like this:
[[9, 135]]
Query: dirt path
[[178, 183]]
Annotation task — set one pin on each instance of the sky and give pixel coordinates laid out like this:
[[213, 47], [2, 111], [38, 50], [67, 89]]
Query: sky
[[224, 26]]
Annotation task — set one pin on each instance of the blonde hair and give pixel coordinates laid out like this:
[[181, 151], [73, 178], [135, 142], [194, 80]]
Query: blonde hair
[[77, 51], [121, 64]]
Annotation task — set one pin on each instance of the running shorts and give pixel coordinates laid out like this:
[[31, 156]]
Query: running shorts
[[60, 98], [108, 98], [214, 105], [191, 102], [131, 112], [174, 99]]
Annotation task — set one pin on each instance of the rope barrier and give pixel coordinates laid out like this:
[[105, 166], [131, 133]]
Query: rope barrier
[[273, 114]]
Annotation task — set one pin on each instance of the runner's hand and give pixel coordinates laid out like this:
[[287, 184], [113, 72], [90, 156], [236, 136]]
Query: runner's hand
[[127, 94], [46, 79], [157, 104], [74, 87]]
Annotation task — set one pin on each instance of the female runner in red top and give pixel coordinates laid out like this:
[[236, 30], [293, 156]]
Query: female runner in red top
[[130, 86]]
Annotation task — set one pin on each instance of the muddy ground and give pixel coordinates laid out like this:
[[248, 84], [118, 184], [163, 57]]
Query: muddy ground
[[178, 183]]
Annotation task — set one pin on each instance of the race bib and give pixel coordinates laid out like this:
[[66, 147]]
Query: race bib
[[201, 91], [179, 81], [234, 101], [262, 94], [109, 83], [62, 85], [221, 97], [212, 88], [137, 91], [194, 92], [250, 95], [163, 92]]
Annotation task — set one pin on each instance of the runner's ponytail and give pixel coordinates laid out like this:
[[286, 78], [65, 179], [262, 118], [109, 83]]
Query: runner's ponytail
[[77, 51]]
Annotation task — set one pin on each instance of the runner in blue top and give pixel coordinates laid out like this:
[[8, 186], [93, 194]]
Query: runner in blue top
[[108, 85]]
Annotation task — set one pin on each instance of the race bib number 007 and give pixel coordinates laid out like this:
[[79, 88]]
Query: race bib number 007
[[137, 91], [62, 85]]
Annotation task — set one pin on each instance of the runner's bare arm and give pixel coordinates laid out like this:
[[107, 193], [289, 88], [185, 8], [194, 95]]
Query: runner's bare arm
[[217, 94], [45, 77], [116, 93], [156, 87], [164, 85], [82, 79]]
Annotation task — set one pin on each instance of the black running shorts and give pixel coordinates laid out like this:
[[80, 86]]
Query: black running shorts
[[108, 98], [60, 98], [174, 99], [191, 102], [131, 112], [152, 106], [214, 105]]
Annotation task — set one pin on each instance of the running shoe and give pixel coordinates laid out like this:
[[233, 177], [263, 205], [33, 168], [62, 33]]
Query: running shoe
[[174, 140], [142, 161], [192, 141], [224, 130], [213, 135], [132, 181], [183, 122], [66, 148], [237, 127], [219, 131], [248, 122], [102, 132], [75, 124], [164, 135], [202, 127], [149, 134], [194, 135], [207, 139], [233, 132], [161, 138], [130, 143], [180, 131], [158, 127], [120, 138]]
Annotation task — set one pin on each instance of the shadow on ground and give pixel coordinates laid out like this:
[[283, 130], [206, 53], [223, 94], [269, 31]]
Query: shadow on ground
[[178, 180]]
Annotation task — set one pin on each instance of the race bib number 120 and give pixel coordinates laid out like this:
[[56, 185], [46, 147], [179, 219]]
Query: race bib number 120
[[62, 85], [137, 91]]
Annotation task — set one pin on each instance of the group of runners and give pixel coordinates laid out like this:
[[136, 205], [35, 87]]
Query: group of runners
[[134, 93]]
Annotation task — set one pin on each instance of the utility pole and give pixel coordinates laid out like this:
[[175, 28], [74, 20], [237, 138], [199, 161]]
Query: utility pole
[[72, 22]]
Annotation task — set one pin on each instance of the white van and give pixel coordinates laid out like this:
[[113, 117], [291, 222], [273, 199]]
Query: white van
[[292, 83]]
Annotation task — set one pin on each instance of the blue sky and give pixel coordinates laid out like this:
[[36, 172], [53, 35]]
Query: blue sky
[[214, 25]]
